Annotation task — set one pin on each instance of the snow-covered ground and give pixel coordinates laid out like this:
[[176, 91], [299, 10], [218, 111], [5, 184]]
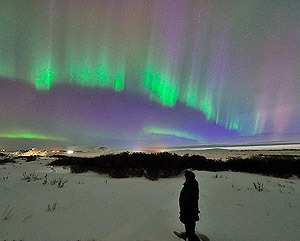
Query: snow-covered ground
[[90, 206]]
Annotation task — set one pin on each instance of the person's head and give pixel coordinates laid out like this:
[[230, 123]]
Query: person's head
[[189, 175]]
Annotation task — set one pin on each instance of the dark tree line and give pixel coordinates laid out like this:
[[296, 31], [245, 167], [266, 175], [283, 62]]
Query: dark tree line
[[162, 165]]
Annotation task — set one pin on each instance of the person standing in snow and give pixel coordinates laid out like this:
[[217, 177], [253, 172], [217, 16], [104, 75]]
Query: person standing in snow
[[188, 204]]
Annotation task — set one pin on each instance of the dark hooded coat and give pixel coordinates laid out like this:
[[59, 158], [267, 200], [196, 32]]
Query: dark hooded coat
[[188, 201]]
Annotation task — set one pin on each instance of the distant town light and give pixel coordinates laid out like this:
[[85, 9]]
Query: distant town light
[[70, 152]]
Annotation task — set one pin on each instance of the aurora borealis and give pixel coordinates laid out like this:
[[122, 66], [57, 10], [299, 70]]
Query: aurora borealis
[[136, 73]]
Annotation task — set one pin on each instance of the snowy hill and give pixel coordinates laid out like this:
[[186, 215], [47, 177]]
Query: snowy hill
[[88, 151]]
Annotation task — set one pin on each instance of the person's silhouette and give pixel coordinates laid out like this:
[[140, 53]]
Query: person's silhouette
[[188, 204]]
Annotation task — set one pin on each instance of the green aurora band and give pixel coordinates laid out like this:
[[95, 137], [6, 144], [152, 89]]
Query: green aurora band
[[170, 132], [23, 135]]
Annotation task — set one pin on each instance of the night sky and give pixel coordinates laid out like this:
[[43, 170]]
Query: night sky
[[139, 73]]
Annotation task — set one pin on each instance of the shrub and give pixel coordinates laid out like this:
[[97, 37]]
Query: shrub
[[258, 186], [51, 207], [162, 165], [30, 177], [7, 160], [7, 212], [29, 158], [78, 168], [60, 182]]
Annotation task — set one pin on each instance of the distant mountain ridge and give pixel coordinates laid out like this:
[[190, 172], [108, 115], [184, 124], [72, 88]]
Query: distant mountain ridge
[[86, 151]]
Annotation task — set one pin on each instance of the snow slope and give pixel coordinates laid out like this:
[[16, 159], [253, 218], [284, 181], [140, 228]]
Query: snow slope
[[95, 207]]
